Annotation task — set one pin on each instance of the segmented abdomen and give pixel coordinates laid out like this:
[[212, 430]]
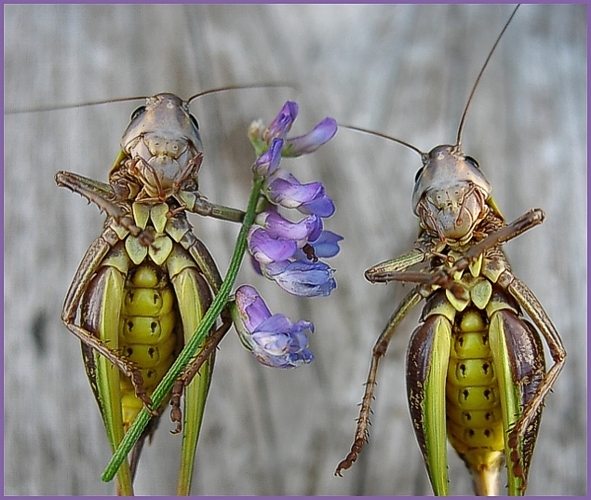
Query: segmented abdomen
[[147, 333], [474, 419]]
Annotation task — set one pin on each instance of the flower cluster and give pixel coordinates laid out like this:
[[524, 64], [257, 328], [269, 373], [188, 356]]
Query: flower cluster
[[273, 338], [283, 251]]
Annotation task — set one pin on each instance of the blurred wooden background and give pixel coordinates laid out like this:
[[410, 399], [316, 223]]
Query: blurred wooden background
[[402, 70]]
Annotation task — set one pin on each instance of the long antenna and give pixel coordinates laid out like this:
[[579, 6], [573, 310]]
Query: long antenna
[[383, 136], [126, 99], [69, 106], [463, 120], [241, 87]]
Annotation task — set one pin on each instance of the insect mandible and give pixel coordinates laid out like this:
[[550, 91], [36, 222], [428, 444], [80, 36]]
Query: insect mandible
[[475, 365]]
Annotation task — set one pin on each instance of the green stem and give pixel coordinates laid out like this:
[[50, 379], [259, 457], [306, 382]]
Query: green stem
[[220, 301]]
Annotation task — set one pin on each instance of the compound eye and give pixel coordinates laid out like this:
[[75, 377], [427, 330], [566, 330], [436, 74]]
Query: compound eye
[[419, 174], [472, 161], [139, 111], [194, 121]]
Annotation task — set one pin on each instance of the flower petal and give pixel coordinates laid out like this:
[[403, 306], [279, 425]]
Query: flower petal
[[302, 278], [250, 307], [325, 246], [273, 339], [278, 227], [266, 249], [282, 123], [310, 142], [282, 188], [268, 162]]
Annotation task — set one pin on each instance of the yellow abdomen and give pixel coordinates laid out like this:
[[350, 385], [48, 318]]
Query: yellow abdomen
[[474, 420], [147, 334]]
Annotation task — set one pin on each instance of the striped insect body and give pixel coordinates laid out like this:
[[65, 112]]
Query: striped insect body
[[476, 373]]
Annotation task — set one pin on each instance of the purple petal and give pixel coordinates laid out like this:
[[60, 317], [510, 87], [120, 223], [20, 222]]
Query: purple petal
[[281, 125], [325, 246], [284, 189], [251, 308], [302, 278], [310, 142], [321, 205], [256, 266], [278, 227], [266, 249], [268, 162], [279, 343]]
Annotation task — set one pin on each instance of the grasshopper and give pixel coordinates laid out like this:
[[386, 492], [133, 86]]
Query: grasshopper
[[145, 283], [476, 371]]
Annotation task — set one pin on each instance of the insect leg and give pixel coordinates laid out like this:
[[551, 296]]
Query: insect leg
[[194, 202], [526, 299], [187, 376], [193, 275], [88, 266], [424, 250], [206, 264], [444, 277], [379, 349], [103, 196]]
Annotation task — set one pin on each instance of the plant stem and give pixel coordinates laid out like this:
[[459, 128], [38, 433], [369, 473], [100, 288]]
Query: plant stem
[[220, 301]]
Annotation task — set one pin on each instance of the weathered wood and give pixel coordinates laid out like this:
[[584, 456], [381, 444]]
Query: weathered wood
[[402, 70]]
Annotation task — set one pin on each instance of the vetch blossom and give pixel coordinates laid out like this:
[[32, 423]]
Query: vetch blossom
[[261, 138], [310, 142], [268, 162], [282, 123], [282, 188], [272, 238], [273, 339], [308, 228], [301, 277], [283, 251], [325, 246]]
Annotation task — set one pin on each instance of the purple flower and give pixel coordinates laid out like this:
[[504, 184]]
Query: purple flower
[[273, 238], [261, 137], [284, 189], [301, 277], [265, 249], [281, 125], [325, 246], [287, 252], [268, 162], [310, 142], [303, 231], [273, 339]]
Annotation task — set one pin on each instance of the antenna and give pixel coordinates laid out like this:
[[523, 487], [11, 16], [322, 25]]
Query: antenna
[[463, 120], [69, 106], [129, 99], [241, 87], [384, 136]]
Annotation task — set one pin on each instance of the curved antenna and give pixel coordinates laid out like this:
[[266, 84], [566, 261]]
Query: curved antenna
[[463, 120], [384, 136], [69, 106], [137, 98], [241, 87]]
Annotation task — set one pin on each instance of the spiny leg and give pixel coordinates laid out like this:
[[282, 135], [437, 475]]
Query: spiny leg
[[379, 349], [444, 276], [88, 266], [424, 250], [529, 220], [103, 196], [526, 299], [191, 370]]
